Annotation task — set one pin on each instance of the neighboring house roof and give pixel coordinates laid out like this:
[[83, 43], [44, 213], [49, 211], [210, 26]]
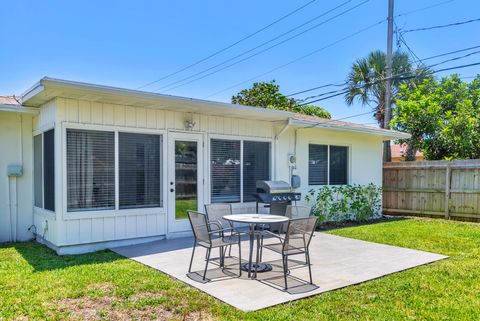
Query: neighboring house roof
[[11, 104], [399, 150], [8, 100], [49, 88]]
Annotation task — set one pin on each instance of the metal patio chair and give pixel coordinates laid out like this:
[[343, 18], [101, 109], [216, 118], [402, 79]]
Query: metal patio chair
[[210, 238], [296, 241], [215, 213]]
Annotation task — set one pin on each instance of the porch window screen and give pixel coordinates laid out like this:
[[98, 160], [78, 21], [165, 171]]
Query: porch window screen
[[225, 170], [90, 170], [256, 166], [317, 164], [338, 165], [49, 170], [38, 170], [139, 170]]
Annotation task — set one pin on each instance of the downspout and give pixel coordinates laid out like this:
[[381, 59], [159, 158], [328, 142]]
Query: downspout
[[282, 130]]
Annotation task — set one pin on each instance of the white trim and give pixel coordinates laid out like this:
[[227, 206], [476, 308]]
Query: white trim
[[116, 162], [74, 215], [20, 109]]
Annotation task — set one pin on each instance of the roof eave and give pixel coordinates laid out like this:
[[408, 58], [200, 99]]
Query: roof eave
[[19, 109], [384, 134]]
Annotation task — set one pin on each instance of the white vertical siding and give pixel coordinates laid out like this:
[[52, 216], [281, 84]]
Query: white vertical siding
[[108, 228], [16, 194]]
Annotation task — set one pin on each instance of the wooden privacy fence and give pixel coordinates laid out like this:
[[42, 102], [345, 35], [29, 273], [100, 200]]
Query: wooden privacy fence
[[449, 189]]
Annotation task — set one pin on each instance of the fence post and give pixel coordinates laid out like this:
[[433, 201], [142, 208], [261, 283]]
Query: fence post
[[448, 179]]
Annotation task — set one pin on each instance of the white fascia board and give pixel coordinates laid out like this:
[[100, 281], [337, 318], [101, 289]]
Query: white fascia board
[[19, 109], [47, 82], [385, 134]]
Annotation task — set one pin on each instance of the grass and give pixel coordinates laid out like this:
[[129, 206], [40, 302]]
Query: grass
[[37, 284], [181, 207]]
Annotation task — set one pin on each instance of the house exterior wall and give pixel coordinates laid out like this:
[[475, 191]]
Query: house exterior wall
[[87, 231], [63, 229], [16, 194], [365, 155]]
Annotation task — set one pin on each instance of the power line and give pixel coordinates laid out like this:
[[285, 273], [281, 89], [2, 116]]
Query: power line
[[442, 26], [451, 52], [423, 8], [395, 76], [336, 84], [423, 59], [302, 57], [261, 45], [259, 52], [231, 45]]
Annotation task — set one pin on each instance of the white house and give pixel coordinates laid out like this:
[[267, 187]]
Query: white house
[[85, 167]]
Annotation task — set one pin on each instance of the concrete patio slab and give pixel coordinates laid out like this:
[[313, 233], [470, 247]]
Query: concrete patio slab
[[336, 262]]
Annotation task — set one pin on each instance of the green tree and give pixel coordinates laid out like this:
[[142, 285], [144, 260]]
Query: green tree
[[365, 80], [268, 95], [443, 117]]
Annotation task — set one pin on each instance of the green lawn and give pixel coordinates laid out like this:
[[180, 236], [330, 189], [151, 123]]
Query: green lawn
[[37, 284]]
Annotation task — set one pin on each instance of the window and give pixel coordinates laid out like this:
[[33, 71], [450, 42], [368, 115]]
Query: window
[[44, 170], [338, 165], [229, 170], [256, 166], [90, 170], [327, 165], [317, 164], [225, 170], [139, 170]]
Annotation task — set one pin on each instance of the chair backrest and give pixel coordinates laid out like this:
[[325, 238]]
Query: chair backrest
[[216, 211], [200, 227], [299, 233], [298, 211]]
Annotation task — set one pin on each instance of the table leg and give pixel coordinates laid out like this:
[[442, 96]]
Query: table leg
[[252, 232]]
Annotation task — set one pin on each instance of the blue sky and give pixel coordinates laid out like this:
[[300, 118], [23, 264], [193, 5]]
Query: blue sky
[[131, 43]]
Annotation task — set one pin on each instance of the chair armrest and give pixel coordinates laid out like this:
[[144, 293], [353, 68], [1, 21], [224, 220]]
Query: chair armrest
[[273, 234]]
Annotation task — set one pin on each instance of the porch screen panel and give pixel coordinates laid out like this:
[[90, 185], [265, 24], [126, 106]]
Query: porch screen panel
[[38, 171], [338, 165], [225, 170], [256, 166], [90, 170], [139, 170], [317, 164], [49, 170]]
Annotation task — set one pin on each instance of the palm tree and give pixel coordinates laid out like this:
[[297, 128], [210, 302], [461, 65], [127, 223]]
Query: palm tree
[[365, 80]]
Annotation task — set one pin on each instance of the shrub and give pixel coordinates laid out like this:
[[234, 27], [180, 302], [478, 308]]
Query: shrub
[[346, 202]]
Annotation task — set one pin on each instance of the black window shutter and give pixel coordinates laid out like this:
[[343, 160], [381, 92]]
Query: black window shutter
[[37, 170]]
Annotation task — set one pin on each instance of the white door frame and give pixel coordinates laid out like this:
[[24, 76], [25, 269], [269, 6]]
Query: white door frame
[[181, 227]]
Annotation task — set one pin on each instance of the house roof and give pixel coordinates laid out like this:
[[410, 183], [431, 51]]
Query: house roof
[[49, 88], [11, 104], [399, 150]]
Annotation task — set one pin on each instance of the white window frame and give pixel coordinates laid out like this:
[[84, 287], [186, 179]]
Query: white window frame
[[40, 132], [349, 162], [241, 139], [116, 211]]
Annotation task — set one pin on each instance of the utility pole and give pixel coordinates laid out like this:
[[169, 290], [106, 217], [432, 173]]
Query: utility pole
[[387, 116]]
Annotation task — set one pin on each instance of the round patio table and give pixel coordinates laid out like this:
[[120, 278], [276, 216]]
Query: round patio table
[[253, 220]]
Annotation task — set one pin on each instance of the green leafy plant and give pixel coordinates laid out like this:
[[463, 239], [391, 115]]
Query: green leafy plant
[[346, 202]]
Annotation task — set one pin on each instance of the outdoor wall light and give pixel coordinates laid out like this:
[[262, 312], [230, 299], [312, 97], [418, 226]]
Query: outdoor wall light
[[189, 122]]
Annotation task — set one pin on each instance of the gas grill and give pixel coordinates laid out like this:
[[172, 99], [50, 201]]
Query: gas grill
[[276, 195]]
